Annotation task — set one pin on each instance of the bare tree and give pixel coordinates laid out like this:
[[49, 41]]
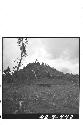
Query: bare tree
[[22, 43]]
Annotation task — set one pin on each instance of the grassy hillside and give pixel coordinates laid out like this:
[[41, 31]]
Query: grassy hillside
[[40, 89]]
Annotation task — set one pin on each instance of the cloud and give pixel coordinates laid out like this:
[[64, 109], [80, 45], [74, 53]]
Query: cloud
[[35, 51], [10, 52], [66, 48]]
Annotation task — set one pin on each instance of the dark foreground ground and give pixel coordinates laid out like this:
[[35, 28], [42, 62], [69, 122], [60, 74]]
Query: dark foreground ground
[[50, 96]]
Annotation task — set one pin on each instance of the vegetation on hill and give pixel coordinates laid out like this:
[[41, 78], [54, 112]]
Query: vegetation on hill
[[37, 71]]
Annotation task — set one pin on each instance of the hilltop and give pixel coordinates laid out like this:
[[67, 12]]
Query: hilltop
[[34, 72]]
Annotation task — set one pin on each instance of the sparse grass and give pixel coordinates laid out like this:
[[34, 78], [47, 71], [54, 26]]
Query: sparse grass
[[57, 98]]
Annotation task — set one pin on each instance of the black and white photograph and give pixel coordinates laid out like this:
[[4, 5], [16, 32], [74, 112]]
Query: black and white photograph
[[40, 77]]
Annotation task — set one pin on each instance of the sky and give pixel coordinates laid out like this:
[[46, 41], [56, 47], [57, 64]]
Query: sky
[[60, 53]]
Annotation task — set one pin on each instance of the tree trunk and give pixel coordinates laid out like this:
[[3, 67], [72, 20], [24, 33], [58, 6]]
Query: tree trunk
[[19, 63]]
